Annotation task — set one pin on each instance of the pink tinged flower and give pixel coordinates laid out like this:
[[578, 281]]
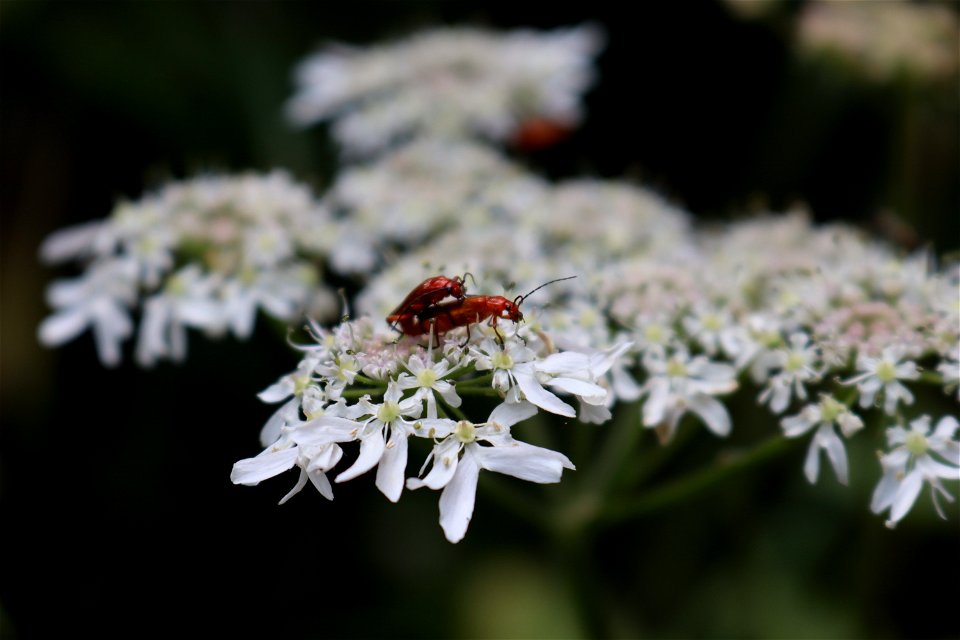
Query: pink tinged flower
[[383, 441], [680, 384], [884, 374], [466, 448], [918, 457], [823, 417]]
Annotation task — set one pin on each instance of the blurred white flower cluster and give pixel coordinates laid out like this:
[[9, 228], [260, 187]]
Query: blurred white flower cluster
[[822, 321], [883, 38], [207, 253], [457, 82], [357, 383]]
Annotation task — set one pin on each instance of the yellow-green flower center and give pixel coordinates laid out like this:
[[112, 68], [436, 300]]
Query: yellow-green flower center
[[795, 362], [916, 443], [653, 333], [770, 339], [465, 432], [711, 322], [388, 411], [501, 360], [346, 364], [300, 383], [676, 368], [248, 274], [176, 286], [426, 378], [886, 371], [830, 409]]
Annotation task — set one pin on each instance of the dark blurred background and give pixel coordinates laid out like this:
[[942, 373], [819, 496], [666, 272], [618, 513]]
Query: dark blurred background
[[116, 500]]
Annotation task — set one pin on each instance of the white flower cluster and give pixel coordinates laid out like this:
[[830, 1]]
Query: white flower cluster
[[450, 82], [884, 38], [205, 253], [357, 383], [820, 319], [828, 330]]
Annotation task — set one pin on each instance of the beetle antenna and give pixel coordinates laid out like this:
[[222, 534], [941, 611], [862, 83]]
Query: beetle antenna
[[520, 299], [464, 277]]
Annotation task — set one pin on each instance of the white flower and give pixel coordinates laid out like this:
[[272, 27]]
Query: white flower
[[282, 293], [584, 376], [709, 328], [682, 383], [514, 375], [918, 457], [465, 448], [340, 371], [446, 81], [98, 299], [950, 370], [310, 445], [823, 416], [383, 440], [204, 253], [427, 380], [796, 368], [186, 302], [884, 374]]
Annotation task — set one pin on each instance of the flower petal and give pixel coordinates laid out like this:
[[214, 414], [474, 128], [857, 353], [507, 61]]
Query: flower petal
[[524, 461], [507, 414], [906, 495], [885, 491], [301, 483], [445, 460], [63, 326], [539, 396], [457, 499], [266, 465], [371, 450], [828, 439], [322, 483], [712, 412], [393, 464], [587, 391]]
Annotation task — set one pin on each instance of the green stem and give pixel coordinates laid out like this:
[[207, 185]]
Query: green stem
[[480, 380], [578, 571], [695, 482], [369, 381], [621, 439], [931, 377], [359, 393], [516, 502], [448, 408], [485, 391]]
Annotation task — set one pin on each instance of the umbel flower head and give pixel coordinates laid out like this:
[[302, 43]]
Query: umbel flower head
[[358, 383], [451, 82], [206, 253]]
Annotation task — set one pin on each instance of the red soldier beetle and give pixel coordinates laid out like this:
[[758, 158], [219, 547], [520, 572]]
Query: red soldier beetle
[[462, 313], [428, 293]]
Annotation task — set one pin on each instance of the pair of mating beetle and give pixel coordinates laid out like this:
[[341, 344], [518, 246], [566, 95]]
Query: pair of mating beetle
[[424, 309]]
